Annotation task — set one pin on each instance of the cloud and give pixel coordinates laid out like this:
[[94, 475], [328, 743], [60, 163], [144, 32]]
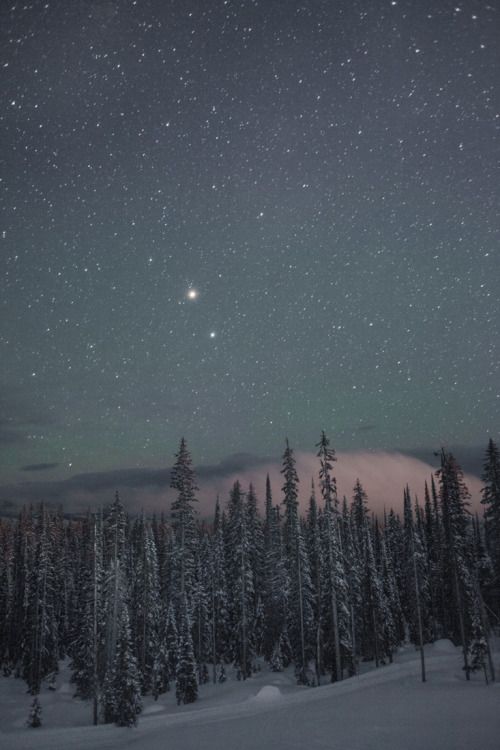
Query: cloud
[[139, 487], [471, 457], [383, 475], [38, 467]]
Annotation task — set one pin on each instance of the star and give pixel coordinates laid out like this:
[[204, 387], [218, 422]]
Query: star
[[212, 334], [192, 293]]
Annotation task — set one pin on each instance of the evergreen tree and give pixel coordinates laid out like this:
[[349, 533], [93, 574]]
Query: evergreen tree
[[183, 520], [201, 607], [240, 582], [122, 686], [145, 602], [88, 629], [115, 579], [482, 560], [491, 501], [313, 538], [377, 626], [6, 591], [256, 549], [416, 601], [431, 541], [290, 501], [115, 532], [394, 545], [219, 605], [359, 510], [41, 657], [353, 566], [300, 624], [335, 585], [276, 645], [171, 643], [186, 688], [394, 634], [462, 603]]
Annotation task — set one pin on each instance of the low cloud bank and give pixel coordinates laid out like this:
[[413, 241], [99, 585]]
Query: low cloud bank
[[383, 476]]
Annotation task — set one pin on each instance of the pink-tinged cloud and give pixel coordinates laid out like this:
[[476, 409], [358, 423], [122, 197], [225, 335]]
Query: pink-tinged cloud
[[383, 476]]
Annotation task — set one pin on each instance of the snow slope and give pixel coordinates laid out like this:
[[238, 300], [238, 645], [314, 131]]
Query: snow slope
[[388, 708]]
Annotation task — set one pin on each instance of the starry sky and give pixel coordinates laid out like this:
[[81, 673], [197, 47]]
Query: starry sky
[[241, 220]]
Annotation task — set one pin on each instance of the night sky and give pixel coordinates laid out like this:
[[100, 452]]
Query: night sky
[[240, 221]]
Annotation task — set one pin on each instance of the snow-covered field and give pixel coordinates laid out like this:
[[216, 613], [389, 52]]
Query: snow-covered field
[[384, 709]]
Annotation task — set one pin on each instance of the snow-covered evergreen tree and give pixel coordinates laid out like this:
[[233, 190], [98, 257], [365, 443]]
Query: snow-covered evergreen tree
[[416, 601], [218, 597], [41, 654], [87, 646], [240, 582], [313, 543], [186, 686], [256, 547], [121, 699], [462, 604], [336, 617], [145, 602], [183, 521], [300, 616], [276, 644], [491, 501], [201, 606]]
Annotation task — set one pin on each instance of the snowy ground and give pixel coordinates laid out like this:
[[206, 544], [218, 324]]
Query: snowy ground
[[388, 708]]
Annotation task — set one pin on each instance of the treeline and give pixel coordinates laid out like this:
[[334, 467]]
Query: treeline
[[142, 606]]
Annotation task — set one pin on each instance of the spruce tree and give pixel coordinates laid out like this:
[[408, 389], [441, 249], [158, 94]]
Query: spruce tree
[[240, 582], [394, 634], [301, 599], [87, 640], [6, 589], [335, 585], [122, 686], [171, 644], [276, 645], [256, 546], [313, 539], [491, 501], [377, 626], [201, 606], [290, 500], [416, 600], [359, 512], [145, 602], [183, 520], [41, 657], [353, 566], [186, 686], [219, 605], [462, 603]]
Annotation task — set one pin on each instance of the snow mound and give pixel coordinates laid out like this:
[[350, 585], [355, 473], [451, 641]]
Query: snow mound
[[268, 694], [444, 646]]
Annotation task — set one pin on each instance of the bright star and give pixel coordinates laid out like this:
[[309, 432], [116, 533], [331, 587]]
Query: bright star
[[191, 294], [212, 334]]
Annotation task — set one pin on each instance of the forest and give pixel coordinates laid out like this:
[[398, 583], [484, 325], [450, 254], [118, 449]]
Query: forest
[[144, 605]]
